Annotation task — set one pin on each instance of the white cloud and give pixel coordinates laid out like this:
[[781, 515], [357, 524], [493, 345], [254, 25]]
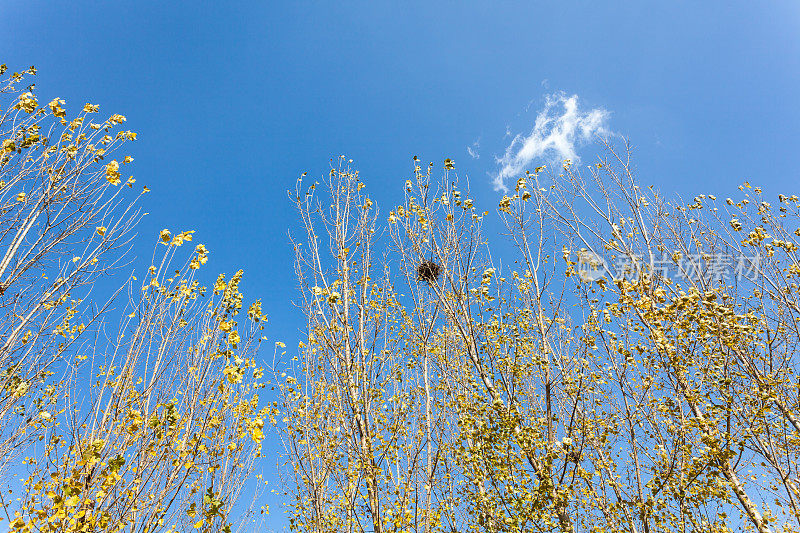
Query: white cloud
[[473, 150], [557, 132]]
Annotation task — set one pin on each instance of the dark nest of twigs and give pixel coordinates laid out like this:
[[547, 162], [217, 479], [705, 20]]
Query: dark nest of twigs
[[428, 271]]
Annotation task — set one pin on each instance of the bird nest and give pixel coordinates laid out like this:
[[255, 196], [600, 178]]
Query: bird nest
[[429, 271]]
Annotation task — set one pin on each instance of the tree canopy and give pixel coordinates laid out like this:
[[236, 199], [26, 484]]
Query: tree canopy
[[629, 366], [139, 412], [633, 370]]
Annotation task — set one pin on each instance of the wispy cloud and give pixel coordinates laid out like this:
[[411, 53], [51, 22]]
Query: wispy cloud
[[473, 149], [560, 128]]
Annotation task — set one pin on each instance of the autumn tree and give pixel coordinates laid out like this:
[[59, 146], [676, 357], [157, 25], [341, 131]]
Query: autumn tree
[[417, 393], [354, 429], [173, 427], [630, 366], [66, 215], [699, 330], [137, 412]]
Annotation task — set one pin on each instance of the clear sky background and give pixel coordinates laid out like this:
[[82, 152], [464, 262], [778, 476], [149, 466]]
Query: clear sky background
[[234, 100]]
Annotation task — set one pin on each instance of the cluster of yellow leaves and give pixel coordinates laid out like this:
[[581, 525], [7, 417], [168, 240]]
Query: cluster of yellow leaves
[[114, 476], [201, 258]]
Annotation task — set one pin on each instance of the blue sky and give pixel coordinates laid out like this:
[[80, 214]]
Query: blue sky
[[234, 100]]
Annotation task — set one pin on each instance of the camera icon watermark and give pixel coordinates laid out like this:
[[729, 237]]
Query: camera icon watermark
[[591, 266]]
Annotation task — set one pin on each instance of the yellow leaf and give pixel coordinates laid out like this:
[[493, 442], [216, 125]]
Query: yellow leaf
[[113, 173]]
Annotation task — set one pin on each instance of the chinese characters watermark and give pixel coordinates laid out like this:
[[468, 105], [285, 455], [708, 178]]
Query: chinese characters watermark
[[709, 267]]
